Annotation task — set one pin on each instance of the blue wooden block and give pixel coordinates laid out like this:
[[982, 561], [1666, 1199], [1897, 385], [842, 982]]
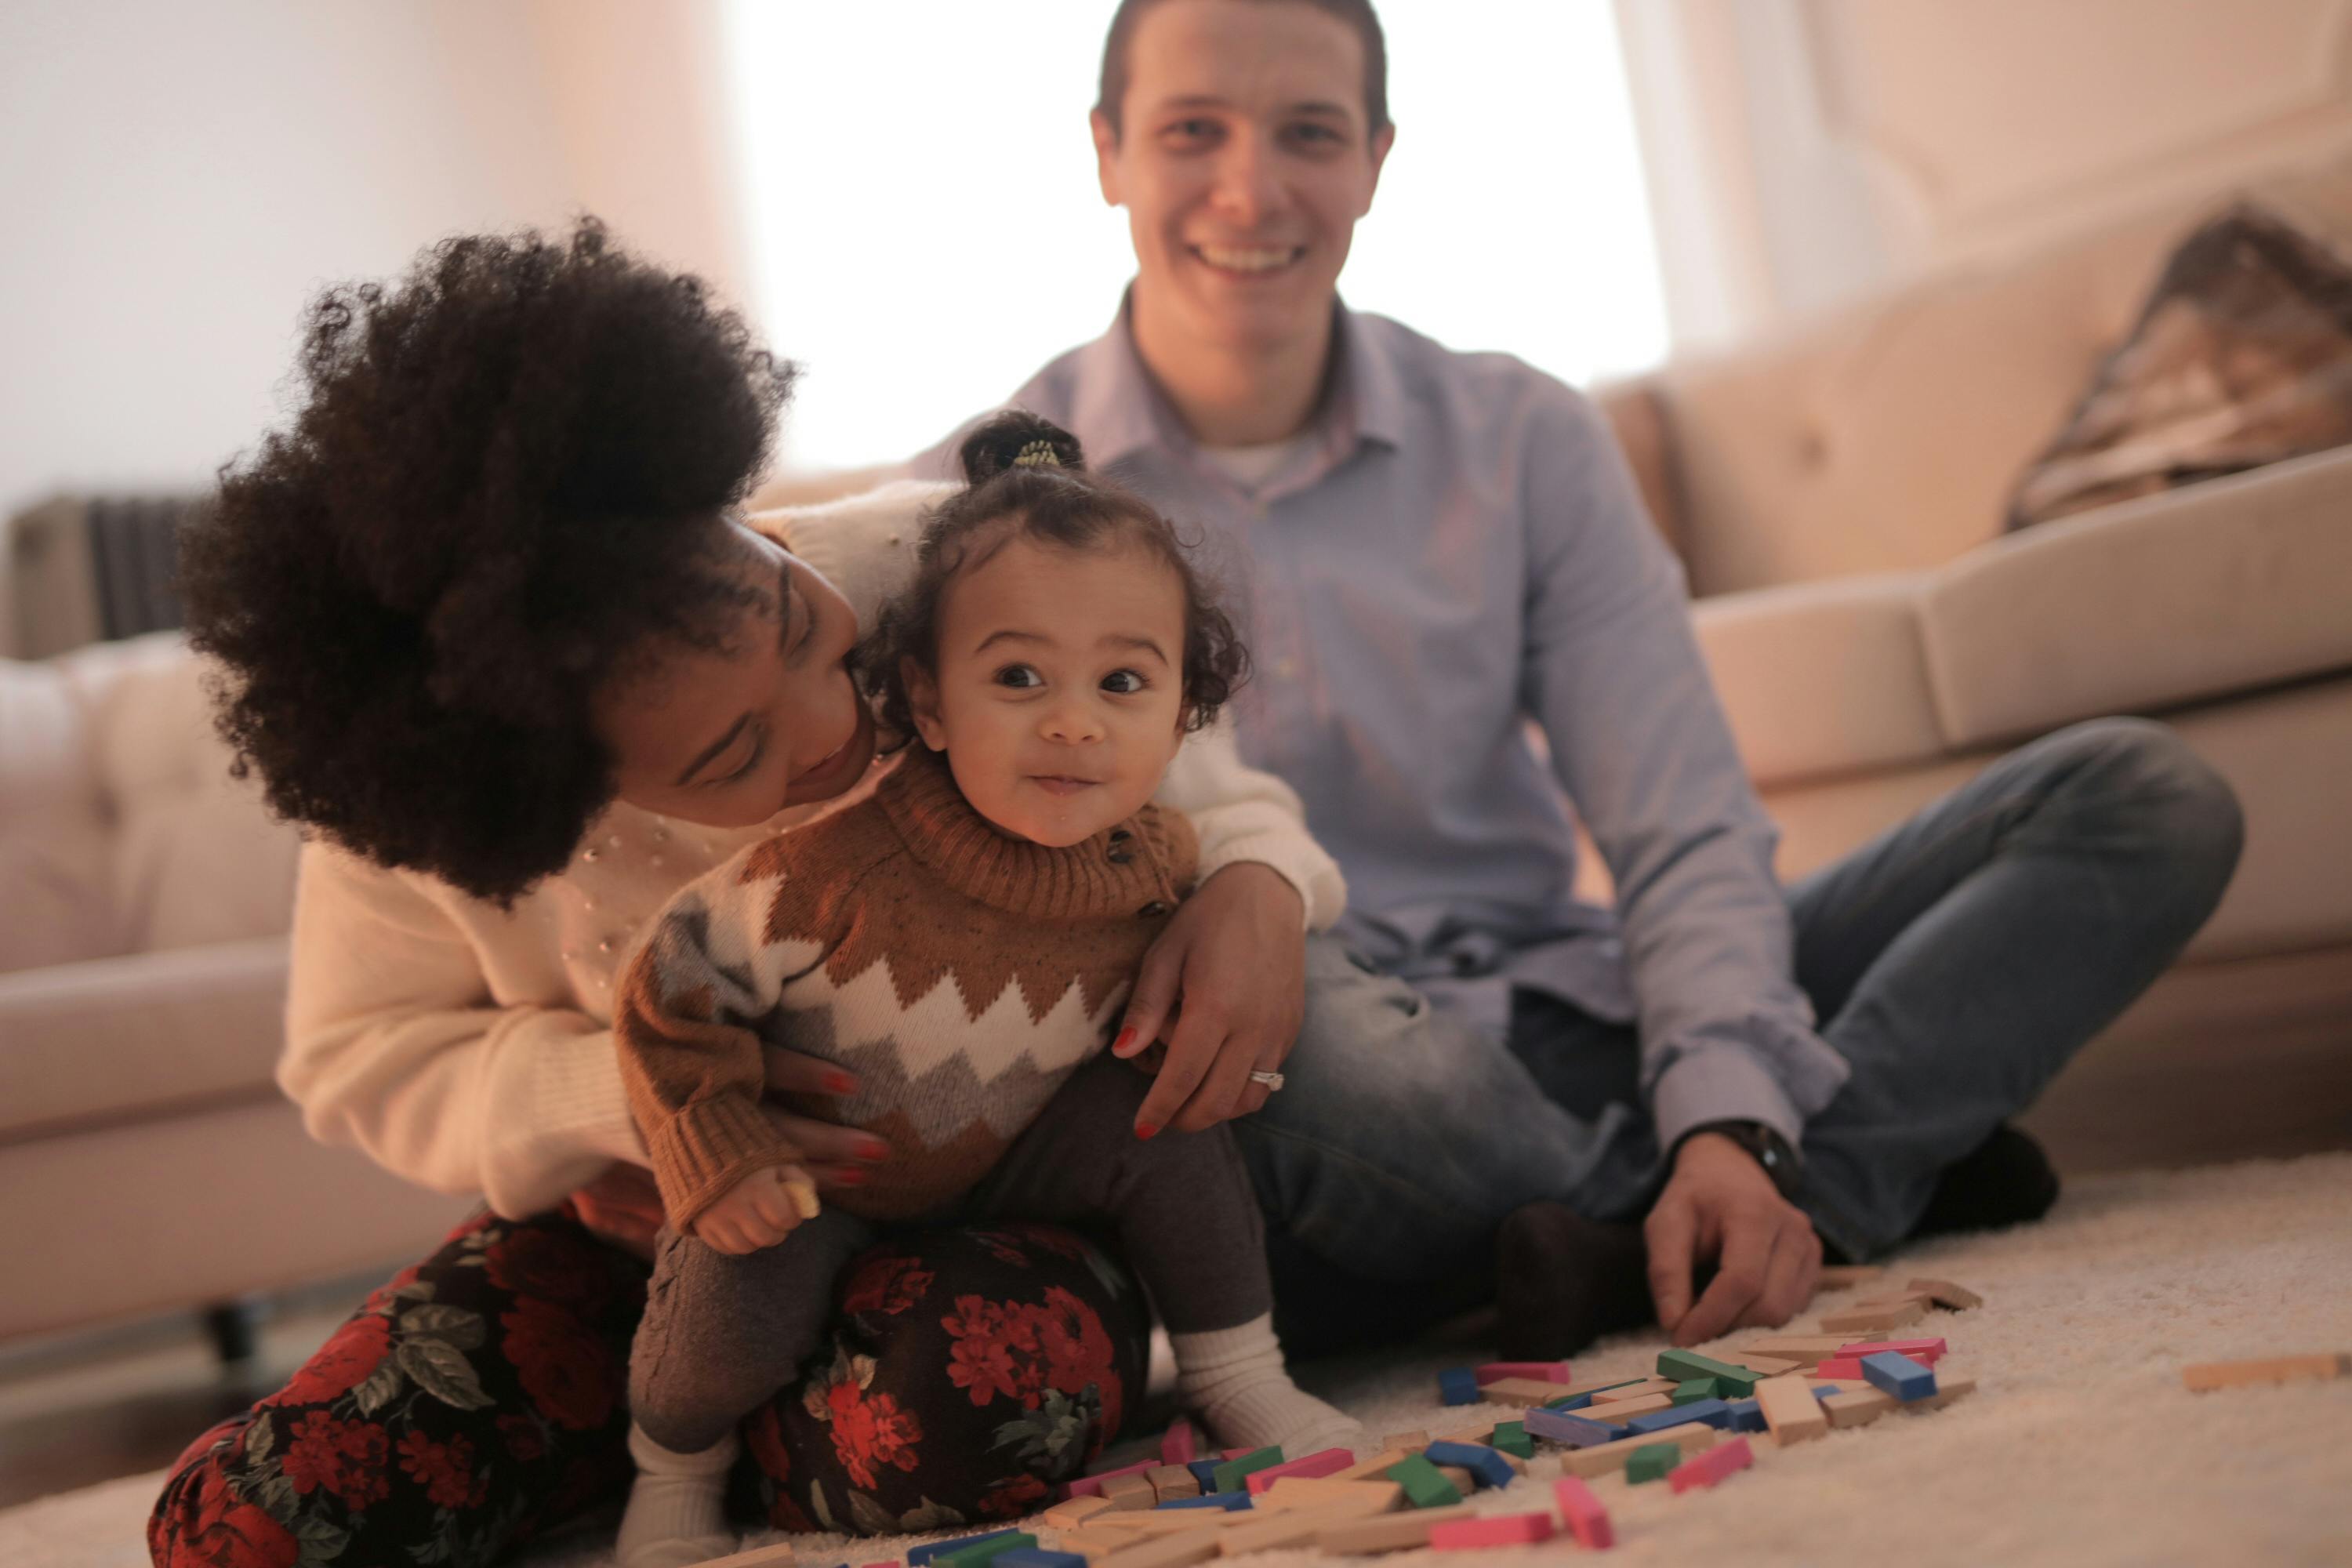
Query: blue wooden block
[[919, 1555], [1572, 1431], [1039, 1557], [1713, 1412], [1458, 1385], [1205, 1472], [1747, 1415], [1573, 1402], [1231, 1502], [1490, 1466], [1899, 1375]]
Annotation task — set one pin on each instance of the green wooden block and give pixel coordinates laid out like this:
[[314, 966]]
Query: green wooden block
[[1696, 1389], [1651, 1463], [1731, 1381], [1230, 1474], [981, 1555], [1586, 1393], [1424, 1487], [1511, 1438]]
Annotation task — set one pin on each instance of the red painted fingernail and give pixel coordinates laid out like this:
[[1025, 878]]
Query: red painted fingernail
[[1145, 1130], [872, 1149], [1118, 1045], [849, 1179], [839, 1082]]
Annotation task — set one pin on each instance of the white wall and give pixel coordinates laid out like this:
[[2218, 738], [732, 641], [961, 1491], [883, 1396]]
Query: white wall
[[177, 179], [1803, 151]]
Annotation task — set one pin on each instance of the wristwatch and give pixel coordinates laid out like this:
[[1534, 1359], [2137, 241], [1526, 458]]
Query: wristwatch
[[1781, 1161]]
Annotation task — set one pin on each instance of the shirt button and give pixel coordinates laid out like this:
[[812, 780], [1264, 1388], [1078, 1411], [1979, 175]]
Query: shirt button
[[1153, 909]]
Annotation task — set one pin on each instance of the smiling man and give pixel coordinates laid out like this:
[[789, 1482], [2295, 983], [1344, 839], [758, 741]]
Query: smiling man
[[1495, 1082]]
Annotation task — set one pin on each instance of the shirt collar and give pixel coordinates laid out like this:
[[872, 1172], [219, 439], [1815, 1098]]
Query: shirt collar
[[1124, 412]]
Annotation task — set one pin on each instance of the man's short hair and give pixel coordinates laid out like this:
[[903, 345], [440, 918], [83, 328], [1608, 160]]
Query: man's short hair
[[1111, 93]]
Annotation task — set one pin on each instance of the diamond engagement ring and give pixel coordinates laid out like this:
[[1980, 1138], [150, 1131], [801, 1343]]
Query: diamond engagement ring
[[1273, 1080]]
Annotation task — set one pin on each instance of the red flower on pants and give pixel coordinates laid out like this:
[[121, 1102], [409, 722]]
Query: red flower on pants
[[987, 1358], [886, 1284], [225, 1531], [763, 1437], [524, 1439], [1077, 1350], [1019, 1350], [870, 1432], [445, 1470], [341, 1364], [534, 1261], [1014, 1499], [345, 1457], [563, 1367]]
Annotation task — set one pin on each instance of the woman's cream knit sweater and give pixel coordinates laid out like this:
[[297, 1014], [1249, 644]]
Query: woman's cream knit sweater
[[470, 1048]]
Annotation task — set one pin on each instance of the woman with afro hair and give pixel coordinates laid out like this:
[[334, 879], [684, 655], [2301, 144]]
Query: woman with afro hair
[[491, 625]]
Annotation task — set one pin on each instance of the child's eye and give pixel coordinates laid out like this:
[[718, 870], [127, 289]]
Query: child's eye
[[1020, 677], [750, 761], [1124, 682]]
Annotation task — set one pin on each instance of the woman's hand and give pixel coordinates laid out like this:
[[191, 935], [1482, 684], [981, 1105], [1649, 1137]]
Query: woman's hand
[[834, 1156], [623, 1206], [1225, 986], [759, 1211]]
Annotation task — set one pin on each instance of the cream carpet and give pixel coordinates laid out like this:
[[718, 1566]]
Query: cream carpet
[[2080, 1446]]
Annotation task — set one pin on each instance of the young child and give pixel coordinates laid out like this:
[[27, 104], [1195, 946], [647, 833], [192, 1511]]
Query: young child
[[962, 939]]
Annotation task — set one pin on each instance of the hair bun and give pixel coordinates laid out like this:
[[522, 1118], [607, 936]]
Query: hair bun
[[1016, 439]]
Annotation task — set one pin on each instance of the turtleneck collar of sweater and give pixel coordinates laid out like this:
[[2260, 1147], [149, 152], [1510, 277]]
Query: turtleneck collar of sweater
[[1120, 872]]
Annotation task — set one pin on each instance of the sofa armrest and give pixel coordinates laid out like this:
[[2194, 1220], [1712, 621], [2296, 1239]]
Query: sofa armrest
[[2148, 605], [1822, 678], [115, 1039]]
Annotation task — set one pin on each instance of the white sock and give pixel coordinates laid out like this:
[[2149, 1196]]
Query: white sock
[[677, 1515], [1235, 1379]]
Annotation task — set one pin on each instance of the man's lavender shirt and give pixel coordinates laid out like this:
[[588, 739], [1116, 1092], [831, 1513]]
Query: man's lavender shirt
[[1458, 548]]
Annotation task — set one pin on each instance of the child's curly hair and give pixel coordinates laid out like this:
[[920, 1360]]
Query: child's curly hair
[[504, 489], [1029, 474]]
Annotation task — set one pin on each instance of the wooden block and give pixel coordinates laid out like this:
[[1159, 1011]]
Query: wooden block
[[1323, 1463], [1150, 1523], [2209, 1375], [1292, 1527], [1949, 1385], [1405, 1440], [1074, 1513], [1609, 1457], [1541, 1370], [1840, 1276], [1169, 1482], [1377, 1467], [1958, 1298], [1803, 1349], [1094, 1545], [1584, 1514], [1897, 1299], [1621, 1410], [1640, 1389], [1790, 1411], [1841, 1368], [985, 1551], [1706, 1470], [1425, 1485], [1874, 1319], [1297, 1491], [1127, 1491], [1392, 1532], [1180, 1445], [1460, 1478], [1929, 1352], [1168, 1551], [1520, 1391], [1765, 1366], [1493, 1529], [1858, 1408], [1651, 1462], [1909, 1381], [777, 1556], [1239, 1465]]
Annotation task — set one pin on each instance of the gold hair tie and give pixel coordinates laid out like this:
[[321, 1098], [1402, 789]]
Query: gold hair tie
[[1038, 454]]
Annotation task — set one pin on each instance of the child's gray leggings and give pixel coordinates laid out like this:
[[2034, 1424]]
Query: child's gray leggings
[[722, 1334]]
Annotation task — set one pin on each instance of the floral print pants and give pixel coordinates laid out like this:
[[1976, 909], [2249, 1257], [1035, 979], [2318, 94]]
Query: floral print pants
[[478, 1397]]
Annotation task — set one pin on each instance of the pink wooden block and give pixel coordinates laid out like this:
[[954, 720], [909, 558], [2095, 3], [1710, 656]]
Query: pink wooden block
[[1237, 1453], [1495, 1530], [1840, 1366], [1091, 1486], [1180, 1446], [1308, 1468], [1927, 1352], [1706, 1470], [1541, 1371], [1584, 1513]]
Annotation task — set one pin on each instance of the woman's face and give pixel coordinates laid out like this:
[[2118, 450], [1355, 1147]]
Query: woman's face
[[727, 738]]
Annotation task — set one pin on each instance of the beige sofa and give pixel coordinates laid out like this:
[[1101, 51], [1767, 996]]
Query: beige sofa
[[1835, 497]]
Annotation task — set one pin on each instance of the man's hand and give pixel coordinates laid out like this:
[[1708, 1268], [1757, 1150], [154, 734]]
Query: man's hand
[[759, 1211], [834, 1156], [1225, 985], [1719, 1205]]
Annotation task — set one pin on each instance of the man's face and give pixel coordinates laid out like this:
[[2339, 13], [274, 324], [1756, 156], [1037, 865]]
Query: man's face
[[1244, 160]]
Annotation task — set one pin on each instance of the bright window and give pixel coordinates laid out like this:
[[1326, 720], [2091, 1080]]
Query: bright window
[[925, 229]]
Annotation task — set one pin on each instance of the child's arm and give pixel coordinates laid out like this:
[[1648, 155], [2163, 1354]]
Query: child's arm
[[695, 1076]]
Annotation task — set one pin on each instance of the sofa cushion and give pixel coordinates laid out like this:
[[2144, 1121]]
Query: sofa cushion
[[1820, 679], [2150, 605]]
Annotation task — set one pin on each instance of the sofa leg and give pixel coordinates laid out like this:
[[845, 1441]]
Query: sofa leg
[[235, 1328]]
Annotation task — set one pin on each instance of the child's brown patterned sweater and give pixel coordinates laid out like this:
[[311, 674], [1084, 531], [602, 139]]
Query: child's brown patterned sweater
[[960, 974]]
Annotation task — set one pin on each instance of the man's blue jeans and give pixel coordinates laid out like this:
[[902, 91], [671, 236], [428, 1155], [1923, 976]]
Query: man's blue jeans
[[1957, 961]]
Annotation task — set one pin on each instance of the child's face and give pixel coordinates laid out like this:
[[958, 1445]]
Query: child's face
[[1059, 697]]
